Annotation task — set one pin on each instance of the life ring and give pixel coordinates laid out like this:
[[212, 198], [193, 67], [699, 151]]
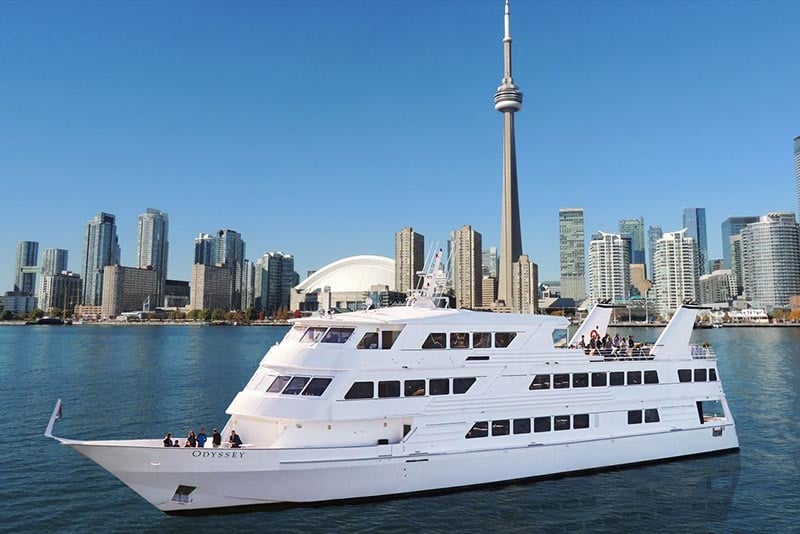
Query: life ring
[[595, 334]]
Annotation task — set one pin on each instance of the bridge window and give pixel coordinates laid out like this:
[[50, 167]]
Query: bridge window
[[462, 384], [481, 340], [651, 377], [317, 387], [685, 375], [478, 430], [369, 341], [699, 375], [338, 335], [503, 339], [459, 340], [361, 390], [313, 334], [389, 388], [296, 385], [712, 375], [278, 384], [388, 337], [540, 382], [435, 341]]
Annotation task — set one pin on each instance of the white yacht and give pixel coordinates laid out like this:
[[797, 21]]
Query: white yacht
[[418, 398]]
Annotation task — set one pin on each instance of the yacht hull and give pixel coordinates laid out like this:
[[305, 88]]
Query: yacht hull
[[224, 478]]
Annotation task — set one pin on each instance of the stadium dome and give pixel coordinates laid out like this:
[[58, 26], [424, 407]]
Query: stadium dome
[[356, 273]]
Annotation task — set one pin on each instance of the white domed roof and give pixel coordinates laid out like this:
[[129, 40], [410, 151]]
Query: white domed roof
[[356, 273]]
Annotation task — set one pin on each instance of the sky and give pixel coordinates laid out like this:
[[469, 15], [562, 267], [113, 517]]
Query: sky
[[321, 128]]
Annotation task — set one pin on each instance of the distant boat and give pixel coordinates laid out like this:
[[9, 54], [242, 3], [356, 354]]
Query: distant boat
[[717, 325], [49, 320]]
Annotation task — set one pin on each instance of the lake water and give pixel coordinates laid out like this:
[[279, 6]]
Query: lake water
[[141, 381]]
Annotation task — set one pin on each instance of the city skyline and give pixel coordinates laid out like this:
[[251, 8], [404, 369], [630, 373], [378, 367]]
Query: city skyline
[[204, 106]]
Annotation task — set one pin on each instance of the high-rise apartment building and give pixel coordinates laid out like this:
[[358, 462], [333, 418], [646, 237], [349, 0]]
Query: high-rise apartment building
[[488, 291], [152, 247], [60, 291], [205, 249], [490, 262], [100, 249], [730, 227], [676, 271], [274, 280], [230, 253], [54, 261], [694, 220], [249, 285], [609, 267], [635, 229], [736, 262], [654, 233], [128, 289], [210, 287], [525, 285], [467, 275], [718, 287], [572, 246], [771, 260], [26, 267], [409, 259], [797, 170]]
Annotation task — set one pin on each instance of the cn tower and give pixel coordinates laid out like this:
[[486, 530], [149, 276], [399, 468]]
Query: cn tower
[[508, 100]]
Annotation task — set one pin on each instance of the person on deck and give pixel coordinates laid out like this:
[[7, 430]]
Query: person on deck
[[216, 439], [168, 440], [191, 439], [201, 438], [235, 440]]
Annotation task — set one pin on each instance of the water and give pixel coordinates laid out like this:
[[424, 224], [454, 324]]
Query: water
[[125, 382]]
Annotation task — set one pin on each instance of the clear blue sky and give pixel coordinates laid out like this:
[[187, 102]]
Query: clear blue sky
[[321, 128]]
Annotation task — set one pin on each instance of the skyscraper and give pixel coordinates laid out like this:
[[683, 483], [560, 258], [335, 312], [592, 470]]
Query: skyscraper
[[797, 170], [152, 247], [230, 253], [205, 250], [730, 227], [525, 286], [100, 248], [489, 263], [467, 277], [609, 267], [654, 233], [675, 272], [274, 280], [25, 271], [508, 100], [771, 260], [572, 243], [54, 261], [409, 259], [694, 220], [635, 229]]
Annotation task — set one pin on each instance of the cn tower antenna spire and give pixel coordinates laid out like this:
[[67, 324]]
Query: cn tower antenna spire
[[508, 100]]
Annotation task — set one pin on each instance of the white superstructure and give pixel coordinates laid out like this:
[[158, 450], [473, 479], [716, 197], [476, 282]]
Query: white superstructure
[[418, 398]]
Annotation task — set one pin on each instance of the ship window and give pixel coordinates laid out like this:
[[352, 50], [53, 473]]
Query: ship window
[[462, 385], [580, 420], [599, 379], [712, 375], [685, 375], [503, 339], [580, 380], [710, 410], [278, 384], [500, 428], [699, 375], [541, 424], [459, 340], [561, 422], [478, 430], [388, 337], [317, 387], [389, 388], [617, 378], [313, 334], [439, 386], [182, 493], [651, 416], [338, 335], [481, 340], [435, 341], [560, 381], [296, 385], [361, 390], [540, 382], [634, 417], [634, 378], [369, 341], [414, 388], [522, 426], [651, 377]]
